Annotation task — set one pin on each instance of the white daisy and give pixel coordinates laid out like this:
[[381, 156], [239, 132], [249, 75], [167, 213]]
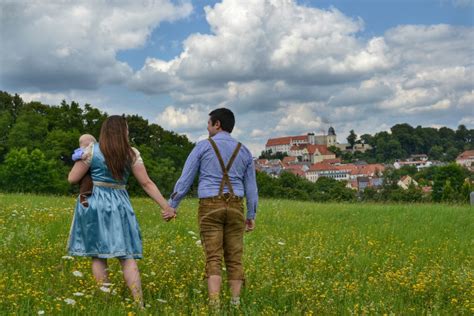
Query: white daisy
[[77, 274], [70, 301]]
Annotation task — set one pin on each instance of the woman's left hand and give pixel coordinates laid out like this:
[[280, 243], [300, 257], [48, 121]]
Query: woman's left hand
[[168, 213]]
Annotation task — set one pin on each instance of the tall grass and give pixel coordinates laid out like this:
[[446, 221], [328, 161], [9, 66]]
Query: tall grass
[[303, 258]]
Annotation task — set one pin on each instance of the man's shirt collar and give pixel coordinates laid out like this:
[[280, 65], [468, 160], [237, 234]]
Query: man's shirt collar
[[221, 135]]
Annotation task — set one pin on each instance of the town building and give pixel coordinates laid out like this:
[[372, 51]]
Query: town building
[[466, 159], [311, 153], [272, 167], [419, 161], [405, 182], [322, 169], [284, 144]]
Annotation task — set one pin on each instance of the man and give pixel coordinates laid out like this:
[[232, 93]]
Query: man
[[226, 174]]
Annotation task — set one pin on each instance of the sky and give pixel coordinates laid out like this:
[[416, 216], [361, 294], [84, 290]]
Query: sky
[[283, 67]]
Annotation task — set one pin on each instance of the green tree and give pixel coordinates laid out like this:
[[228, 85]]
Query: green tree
[[29, 131], [413, 194], [436, 152], [448, 193], [139, 131], [466, 190], [368, 139], [24, 171], [451, 154], [268, 154], [59, 144], [266, 185], [327, 189], [6, 122], [389, 149], [93, 119], [453, 173], [351, 139], [66, 117], [336, 150], [11, 104], [410, 142]]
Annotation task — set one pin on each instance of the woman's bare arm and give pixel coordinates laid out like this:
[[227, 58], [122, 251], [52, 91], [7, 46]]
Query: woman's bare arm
[[77, 172], [139, 171]]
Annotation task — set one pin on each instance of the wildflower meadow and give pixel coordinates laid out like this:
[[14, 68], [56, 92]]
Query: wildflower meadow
[[303, 259]]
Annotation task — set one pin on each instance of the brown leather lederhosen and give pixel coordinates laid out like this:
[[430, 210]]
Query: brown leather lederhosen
[[222, 225]]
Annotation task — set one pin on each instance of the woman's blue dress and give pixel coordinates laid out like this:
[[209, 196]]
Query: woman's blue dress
[[107, 228]]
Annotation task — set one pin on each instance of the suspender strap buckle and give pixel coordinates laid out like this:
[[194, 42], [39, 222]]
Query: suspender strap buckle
[[227, 197]]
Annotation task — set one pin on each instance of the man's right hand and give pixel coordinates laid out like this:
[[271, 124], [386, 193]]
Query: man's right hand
[[168, 214], [249, 225]]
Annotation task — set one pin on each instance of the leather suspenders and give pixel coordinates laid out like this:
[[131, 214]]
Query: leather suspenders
[[225, 169]]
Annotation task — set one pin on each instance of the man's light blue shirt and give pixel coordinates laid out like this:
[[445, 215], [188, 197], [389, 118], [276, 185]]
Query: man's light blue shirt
[[203, 159]]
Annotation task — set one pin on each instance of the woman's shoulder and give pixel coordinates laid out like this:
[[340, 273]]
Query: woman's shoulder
[[88, 153], [138, 158]]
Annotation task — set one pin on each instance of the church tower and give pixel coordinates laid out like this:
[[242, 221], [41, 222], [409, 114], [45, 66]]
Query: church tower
[[331, 138]]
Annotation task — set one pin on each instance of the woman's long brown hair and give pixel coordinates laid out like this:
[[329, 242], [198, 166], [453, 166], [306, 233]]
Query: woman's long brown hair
[[114, 145]]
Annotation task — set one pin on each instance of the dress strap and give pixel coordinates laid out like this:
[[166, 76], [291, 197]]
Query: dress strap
[[225, 169]]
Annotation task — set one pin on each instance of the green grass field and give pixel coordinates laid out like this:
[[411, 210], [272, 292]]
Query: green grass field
[[303, 258]]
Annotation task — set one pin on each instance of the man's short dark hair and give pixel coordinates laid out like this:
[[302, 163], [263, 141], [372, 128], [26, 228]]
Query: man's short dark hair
[[225, 116]]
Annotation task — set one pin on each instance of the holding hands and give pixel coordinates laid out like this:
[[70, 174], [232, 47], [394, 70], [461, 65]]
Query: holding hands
[[168, 213]]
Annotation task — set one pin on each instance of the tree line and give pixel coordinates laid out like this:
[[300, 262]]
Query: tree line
[[37, 140], [404, 140]]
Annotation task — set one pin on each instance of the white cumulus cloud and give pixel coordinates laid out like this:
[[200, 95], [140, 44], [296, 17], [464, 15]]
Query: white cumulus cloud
[[59, 45]]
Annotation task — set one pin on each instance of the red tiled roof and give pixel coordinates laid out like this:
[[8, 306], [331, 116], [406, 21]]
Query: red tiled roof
[[321, 166], [284, 140], [301, 137], [288, 159], [362, 169], [370, 169], [278, 141], [467, 154], [332, 160], [299, 147], [321, 148]]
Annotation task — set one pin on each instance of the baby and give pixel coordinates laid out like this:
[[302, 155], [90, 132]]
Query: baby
[[85, 185]]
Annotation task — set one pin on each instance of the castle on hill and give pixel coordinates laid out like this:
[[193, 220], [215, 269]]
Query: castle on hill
[[285, 144]]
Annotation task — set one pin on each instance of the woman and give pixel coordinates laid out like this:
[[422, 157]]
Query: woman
[[108, 228]]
